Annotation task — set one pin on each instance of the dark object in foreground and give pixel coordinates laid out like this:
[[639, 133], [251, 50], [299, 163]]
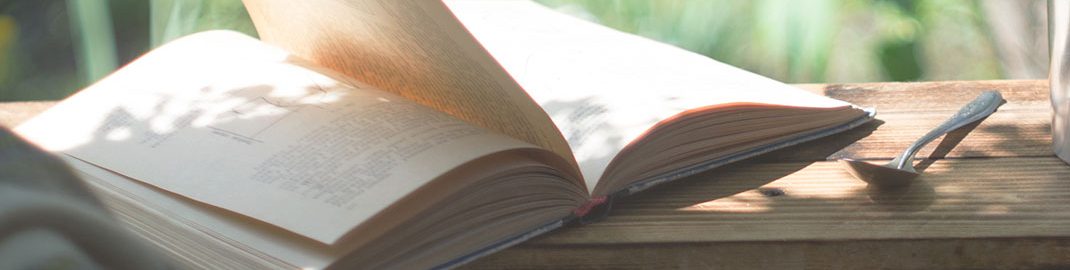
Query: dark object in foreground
[[49, 219]]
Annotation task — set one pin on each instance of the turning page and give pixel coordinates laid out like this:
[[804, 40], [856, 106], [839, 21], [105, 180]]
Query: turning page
[[604, 88], [413, 48]]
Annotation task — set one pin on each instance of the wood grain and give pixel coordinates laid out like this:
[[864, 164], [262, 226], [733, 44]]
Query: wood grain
[[972, 213], [905, 111], [1030, 253], [954, 198]]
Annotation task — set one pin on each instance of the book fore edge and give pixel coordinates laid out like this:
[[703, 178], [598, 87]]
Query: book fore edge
[[709, 165]]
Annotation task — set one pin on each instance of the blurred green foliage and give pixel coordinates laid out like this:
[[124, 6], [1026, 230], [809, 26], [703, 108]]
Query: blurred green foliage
[[49, 48], [814, 41]]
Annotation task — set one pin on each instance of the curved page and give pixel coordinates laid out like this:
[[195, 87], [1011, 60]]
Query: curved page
[[413, 48], [226, 120], [604, 88]]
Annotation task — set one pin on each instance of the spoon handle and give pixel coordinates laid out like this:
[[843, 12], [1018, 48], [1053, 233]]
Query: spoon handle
[[977, 109]]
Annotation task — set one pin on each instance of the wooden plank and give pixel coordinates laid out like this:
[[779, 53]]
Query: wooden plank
[[905, 111], [1034, 253], [954, 198], [988, 213]]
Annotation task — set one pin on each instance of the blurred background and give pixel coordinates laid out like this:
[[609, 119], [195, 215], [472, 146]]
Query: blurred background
[[51, 48]]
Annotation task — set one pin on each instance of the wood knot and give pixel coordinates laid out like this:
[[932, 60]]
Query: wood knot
[[771, 192]]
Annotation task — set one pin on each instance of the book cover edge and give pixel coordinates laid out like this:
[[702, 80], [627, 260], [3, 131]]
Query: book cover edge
[[711, 164]]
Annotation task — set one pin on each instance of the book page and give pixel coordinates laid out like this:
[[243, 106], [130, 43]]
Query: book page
[[604, 88], [294, 249], [226, 120], [413, 48]]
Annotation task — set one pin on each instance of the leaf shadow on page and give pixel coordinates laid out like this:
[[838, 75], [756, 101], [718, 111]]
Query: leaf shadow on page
[[261, 105], [585, 125], [153, 128]]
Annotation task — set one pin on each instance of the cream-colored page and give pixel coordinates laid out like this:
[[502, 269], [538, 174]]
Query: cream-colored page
[[226, 226], [604, 88], [226, 120], [413, 48]]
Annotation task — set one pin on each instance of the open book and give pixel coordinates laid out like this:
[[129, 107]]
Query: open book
[[382, 134]]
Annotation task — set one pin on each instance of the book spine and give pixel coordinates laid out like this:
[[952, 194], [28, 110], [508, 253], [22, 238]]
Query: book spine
[[596, 209]]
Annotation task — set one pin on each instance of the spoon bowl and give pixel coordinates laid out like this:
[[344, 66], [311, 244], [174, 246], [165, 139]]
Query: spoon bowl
[[900, 171], [877, 175]]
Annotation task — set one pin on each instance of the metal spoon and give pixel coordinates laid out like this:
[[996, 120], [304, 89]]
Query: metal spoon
[[901, 171]]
